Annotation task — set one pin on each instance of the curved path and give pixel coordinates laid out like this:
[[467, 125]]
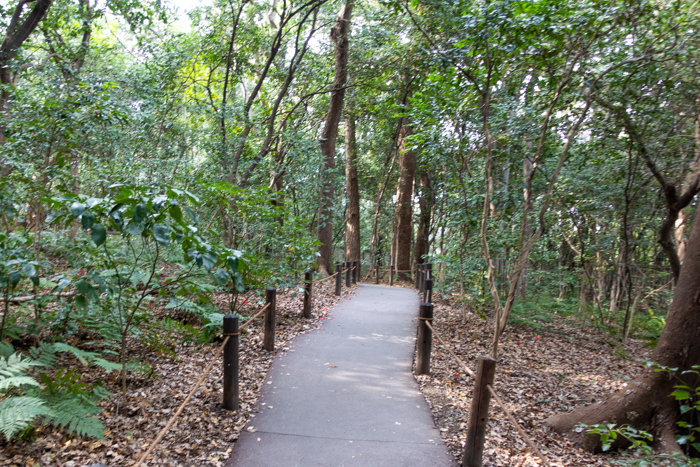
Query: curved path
[[345, 395]]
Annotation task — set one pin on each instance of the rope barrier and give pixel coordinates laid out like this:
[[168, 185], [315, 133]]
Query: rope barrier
[[498, 400], [167, 427], [325, 278], [243, 326], [515, 423]]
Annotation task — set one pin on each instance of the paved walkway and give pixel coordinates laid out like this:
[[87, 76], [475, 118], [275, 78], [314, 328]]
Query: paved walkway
[[345, 395]]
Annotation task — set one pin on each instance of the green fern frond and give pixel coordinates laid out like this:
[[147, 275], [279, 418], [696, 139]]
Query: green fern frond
[[86, 357], [74, 415], [12, 372], [6, 350], [17, 413], [17, 382]]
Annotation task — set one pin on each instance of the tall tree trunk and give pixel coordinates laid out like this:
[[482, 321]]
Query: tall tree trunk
[[352, 223], [339, 35], [18, 31], [646, 403], [404, 207], [426, 206]]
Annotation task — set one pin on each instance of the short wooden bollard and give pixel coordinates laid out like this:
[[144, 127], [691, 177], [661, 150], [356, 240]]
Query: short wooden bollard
[[479, 414], [418, 271], [425, 339], [269, 338], [231, 395], [348, 272], [391, 275], [428, 294], [376, 275], [427, 274], [359, 270], [338, 278], [308, 276], [355, 269]]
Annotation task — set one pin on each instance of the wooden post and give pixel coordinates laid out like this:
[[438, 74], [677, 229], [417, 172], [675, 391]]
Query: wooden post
[[479, 414], [391, 275], [338, 278], [359, 270], [231, 363], [376, 278], [428, 294], [425, 339], [355, 269], [308, 275], [418, 269], [269, 338], [427, 273], [348, 265], [421, 278]]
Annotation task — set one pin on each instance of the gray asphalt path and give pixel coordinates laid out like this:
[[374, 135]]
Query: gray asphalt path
[[345, 395]]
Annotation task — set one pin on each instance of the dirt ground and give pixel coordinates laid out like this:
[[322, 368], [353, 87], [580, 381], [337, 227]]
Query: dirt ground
[[539, 373], [205, 433]]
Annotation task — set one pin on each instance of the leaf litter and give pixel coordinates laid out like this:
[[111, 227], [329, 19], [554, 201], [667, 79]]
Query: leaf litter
[[540, 372], [205, 433]]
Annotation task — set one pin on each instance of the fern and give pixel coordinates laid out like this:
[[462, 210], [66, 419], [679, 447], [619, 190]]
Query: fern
[[86, 357], [60, 400], [12, 372], [73, 413], [17, 413]]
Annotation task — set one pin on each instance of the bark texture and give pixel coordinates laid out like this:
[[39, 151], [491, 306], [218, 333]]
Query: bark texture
[[404, 207], [18, 31], [645, 403], [339, 35], [352, 222]]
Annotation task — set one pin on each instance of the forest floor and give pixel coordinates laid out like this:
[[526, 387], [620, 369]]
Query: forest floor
[[541, 372], [205, 433]]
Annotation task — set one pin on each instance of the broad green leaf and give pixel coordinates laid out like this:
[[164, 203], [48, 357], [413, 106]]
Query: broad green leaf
[[176, 213], [98, 234], [161, 233], [87, 220], [83, 287], [140, 213], [680, 394], [15, 276], [135, 228], [77, 209], [29, 269]]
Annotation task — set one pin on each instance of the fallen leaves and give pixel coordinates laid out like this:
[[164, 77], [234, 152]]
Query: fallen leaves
[[538, 375], [205, 433]]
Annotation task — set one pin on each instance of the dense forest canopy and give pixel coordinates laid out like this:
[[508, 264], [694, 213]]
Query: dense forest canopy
[[542, 154]]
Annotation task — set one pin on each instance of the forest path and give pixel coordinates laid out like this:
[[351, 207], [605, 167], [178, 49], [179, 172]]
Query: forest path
[[344, 395]]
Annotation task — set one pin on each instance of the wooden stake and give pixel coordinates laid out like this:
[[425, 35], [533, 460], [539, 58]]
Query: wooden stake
[[376, 276], [348, 265], [269, 338], [479, 414], [338, 278], [428, 293], [391, 275], [425, 340], [308, 276], [231, 394], [354, 271]]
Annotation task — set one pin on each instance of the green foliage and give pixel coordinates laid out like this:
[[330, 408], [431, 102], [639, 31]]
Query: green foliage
[[31, 398], [610, 433]]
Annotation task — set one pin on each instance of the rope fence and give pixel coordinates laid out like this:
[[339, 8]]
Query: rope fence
[[170, 423], [491, 391], [268, 344]]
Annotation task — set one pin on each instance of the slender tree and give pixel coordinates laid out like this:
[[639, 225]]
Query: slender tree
[[339, 35]]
